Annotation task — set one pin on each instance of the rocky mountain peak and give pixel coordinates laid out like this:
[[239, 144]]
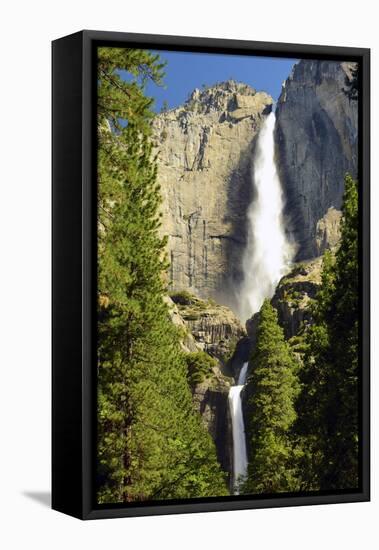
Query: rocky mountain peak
[[228, 101], [223, 96]]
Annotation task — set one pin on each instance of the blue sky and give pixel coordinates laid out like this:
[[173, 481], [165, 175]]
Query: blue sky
[[186, 71]]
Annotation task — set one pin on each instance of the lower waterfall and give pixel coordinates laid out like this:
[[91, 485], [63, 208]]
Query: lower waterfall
[[238, 429]]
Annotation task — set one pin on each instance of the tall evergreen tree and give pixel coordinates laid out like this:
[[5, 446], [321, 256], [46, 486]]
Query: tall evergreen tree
[[272, 389], [151, 443], [328, 403]]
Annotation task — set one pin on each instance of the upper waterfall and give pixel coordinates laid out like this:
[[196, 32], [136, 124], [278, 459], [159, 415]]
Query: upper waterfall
[[268, 252]]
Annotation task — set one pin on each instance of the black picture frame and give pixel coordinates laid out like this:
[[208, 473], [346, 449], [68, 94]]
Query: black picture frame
[[74, 271]]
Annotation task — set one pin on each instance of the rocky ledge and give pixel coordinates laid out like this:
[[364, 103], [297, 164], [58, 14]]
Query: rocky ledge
[[292, 299], [215, 328], [294, 294]]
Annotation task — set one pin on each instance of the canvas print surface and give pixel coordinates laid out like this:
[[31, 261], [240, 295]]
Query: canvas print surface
[[227, 253]]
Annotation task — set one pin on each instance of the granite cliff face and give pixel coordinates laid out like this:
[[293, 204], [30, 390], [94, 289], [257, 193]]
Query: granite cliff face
[[187, 342], [205, 152], [328, 232], [316, 139], [294, 294], [214, 328]]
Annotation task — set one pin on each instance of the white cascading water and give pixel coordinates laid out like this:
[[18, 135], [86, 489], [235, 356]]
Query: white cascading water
[[238, 428], [268, 252], [266, 259]]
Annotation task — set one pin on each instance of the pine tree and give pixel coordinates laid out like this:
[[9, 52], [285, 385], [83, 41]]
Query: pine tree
[[151, 442], [328, 403], [272, 387]]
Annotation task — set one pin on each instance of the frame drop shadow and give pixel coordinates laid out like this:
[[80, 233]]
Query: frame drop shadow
[[41, 497]]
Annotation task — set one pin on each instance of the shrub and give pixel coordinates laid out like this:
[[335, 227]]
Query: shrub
[[183, 298]]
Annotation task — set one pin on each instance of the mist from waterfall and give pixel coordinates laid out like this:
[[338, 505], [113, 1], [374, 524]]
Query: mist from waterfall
[[268, 253]]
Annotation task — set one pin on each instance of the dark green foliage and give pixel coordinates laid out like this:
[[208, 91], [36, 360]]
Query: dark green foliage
[[293, 297], [199, 366], [151, 443], [298, 343], [328, 403], [118, 100], [272, 387]]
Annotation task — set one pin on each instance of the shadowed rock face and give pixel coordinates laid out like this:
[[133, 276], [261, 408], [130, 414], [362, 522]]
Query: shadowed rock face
[[316, 136], [205, 151], [210, 399]]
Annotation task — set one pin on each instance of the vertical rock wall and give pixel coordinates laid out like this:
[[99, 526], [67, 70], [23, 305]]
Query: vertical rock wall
[[205, 150], [316, 136]]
